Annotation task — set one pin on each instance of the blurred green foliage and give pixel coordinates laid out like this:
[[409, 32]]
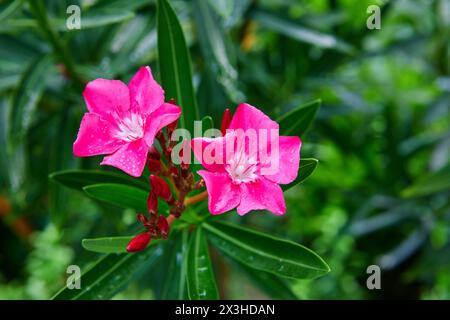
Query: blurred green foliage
[[380, 194]]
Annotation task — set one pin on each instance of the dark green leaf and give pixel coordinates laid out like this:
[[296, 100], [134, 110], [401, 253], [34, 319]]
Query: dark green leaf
[[298, 120], [271, 284], [307, 166], [175, 64], [111, 274], [267, 253], [26, 98], [121, 195], [77, 179], [200, 276], [174, 284], [107, 244]]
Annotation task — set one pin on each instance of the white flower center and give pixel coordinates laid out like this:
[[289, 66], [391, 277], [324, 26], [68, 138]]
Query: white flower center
[[130, 128], [242, 167]]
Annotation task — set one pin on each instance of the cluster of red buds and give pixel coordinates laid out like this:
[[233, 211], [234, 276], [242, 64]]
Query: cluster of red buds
[[163, 170]]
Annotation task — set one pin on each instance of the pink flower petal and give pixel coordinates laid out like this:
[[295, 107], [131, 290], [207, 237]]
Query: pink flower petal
[[103, 96], [158, 119], [223, 195], [261, 194], [145, 91], [289, 160], [95, 137], [130, 158], [248, 117], [210, 152]]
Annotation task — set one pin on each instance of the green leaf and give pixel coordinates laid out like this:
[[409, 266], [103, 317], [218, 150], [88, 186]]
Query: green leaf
[[10, 9], [107, 244], [430, 183], [267, 253], [174, 284], [291, 29], [307, 166], [217, 48], [98, 18], [200, 276], [121, 195], [271, 284], [298, 120], [111, 274], [175, 65], [26, 98], [78, 179]]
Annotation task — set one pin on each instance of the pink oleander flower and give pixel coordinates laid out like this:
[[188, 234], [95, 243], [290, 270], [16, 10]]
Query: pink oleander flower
[[242, 174], [123, 120]]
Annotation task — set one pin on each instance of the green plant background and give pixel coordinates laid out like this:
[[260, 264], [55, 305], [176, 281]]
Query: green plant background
[[380, 194]]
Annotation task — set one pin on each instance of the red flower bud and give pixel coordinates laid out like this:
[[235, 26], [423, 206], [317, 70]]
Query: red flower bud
[[160, 188], [139, 242], [152, 203], [154, 165], [226, 119], [184, 160], [153, 153], [174, 171], [142, 218], [163, 226]]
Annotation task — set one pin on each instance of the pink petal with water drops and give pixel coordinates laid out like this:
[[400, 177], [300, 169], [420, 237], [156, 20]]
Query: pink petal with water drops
[[104, 96], [130, 158], [223, 195], [248, 117], [95, 137], [289, 160], [205, 151], [261, 194], [145, 91], [158, 119]]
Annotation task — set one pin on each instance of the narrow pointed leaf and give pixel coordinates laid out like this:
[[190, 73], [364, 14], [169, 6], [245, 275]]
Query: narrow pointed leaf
[[107, 244], [307, 166], [269, 283], [172, 276], [175, 65], [298, 120], [26, 98], [200, 276], [111, 274], [267, 253], [77, 179], [120, 195]]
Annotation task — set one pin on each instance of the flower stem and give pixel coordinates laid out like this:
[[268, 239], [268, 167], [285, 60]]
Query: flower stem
[[195, 199]]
